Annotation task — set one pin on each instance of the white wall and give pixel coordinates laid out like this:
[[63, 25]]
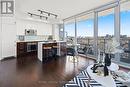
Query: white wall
[[55, 31], [10, 27], [41, 27], [8, 36], [0, 38]]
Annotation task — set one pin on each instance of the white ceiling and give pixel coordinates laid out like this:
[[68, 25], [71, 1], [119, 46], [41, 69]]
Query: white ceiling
[[63, 8]]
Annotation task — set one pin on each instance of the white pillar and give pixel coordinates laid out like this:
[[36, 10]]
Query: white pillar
[[96, 34], [55, 31], [117, 28], [0, 38], [75, 41]]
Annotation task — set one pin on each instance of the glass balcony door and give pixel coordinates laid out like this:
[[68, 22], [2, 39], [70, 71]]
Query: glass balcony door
[[105, 28], [125, 31], [69, 32], [85, 34]]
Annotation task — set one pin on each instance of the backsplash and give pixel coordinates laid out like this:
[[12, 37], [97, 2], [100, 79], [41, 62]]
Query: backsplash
[[32, 38]]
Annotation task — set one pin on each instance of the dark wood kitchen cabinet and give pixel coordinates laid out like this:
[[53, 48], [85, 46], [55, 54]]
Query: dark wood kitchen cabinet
[[21, 49], [26, 48], [63, 49]]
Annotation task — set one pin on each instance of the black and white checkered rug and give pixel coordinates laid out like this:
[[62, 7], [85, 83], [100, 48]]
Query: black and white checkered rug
[[81, 81]]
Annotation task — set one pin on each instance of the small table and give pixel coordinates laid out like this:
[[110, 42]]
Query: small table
[[105, 81]]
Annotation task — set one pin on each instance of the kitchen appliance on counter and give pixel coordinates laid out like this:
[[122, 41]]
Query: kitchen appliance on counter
[[30, 32], [20, 38]]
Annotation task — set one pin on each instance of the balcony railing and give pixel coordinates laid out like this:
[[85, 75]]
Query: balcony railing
[[86, 46]]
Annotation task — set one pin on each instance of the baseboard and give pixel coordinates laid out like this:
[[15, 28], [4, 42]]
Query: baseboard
[[8, 58]]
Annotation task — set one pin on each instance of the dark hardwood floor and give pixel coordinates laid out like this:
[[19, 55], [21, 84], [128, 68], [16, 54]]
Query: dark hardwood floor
[[30, 72]]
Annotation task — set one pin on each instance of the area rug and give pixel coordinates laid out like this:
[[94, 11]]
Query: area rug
[[81, 81]]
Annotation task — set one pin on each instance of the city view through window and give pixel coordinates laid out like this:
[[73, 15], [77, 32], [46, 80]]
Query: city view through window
[[106, 25], [125, 31]]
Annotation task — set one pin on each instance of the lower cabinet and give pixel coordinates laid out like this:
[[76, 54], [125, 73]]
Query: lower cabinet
[[21, 49], [26, 48]]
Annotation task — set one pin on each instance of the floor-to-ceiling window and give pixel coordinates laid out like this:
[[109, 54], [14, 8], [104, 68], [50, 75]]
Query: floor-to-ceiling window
[[69, 32], [85, 34], [125, 31], [105, 28]]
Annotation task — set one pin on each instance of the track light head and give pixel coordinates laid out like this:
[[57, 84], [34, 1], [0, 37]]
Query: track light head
[[30, 14], [55, 16], [49, 14], [46, 18], [40, 17]]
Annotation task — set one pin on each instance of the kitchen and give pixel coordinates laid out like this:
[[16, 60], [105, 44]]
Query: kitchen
[[31, 43], [17, 29], [27, 43]]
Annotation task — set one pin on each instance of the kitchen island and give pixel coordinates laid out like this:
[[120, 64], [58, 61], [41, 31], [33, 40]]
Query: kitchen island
[[51, 50]]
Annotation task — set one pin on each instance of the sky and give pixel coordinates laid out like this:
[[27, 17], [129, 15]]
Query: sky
[[105, 26]]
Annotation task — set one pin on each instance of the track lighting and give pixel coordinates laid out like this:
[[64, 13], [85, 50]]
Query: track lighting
[[31, 14], [49, 16], [48, 13]]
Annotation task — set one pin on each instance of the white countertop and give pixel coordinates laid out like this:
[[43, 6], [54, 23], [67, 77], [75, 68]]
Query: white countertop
[[40, 41], [30, 41], [50, 42]]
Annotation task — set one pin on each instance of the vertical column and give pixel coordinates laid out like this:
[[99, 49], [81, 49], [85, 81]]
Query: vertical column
[[63, 31], [75, 41], [129, 48], [117, 28], [96, 34], [0, 32], [55, 31], [0, 37]]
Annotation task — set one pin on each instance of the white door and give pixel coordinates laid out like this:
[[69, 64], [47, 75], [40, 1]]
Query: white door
[[8, 37]]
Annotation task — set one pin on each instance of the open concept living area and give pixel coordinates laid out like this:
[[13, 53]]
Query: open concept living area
[[64, 43]]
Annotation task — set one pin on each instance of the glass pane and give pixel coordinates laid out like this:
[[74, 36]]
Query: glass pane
[[105, 28], [125, 31], [70, 33], [85, 34]]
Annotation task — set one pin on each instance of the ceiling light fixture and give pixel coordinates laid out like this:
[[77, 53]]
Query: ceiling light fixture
[[31, 14], [48, 13]]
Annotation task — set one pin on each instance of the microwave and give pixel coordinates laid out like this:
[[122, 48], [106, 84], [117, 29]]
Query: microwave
[[30, 32]]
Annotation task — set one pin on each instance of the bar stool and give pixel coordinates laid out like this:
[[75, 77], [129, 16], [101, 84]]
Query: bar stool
[[47, 53], [55, 48]]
